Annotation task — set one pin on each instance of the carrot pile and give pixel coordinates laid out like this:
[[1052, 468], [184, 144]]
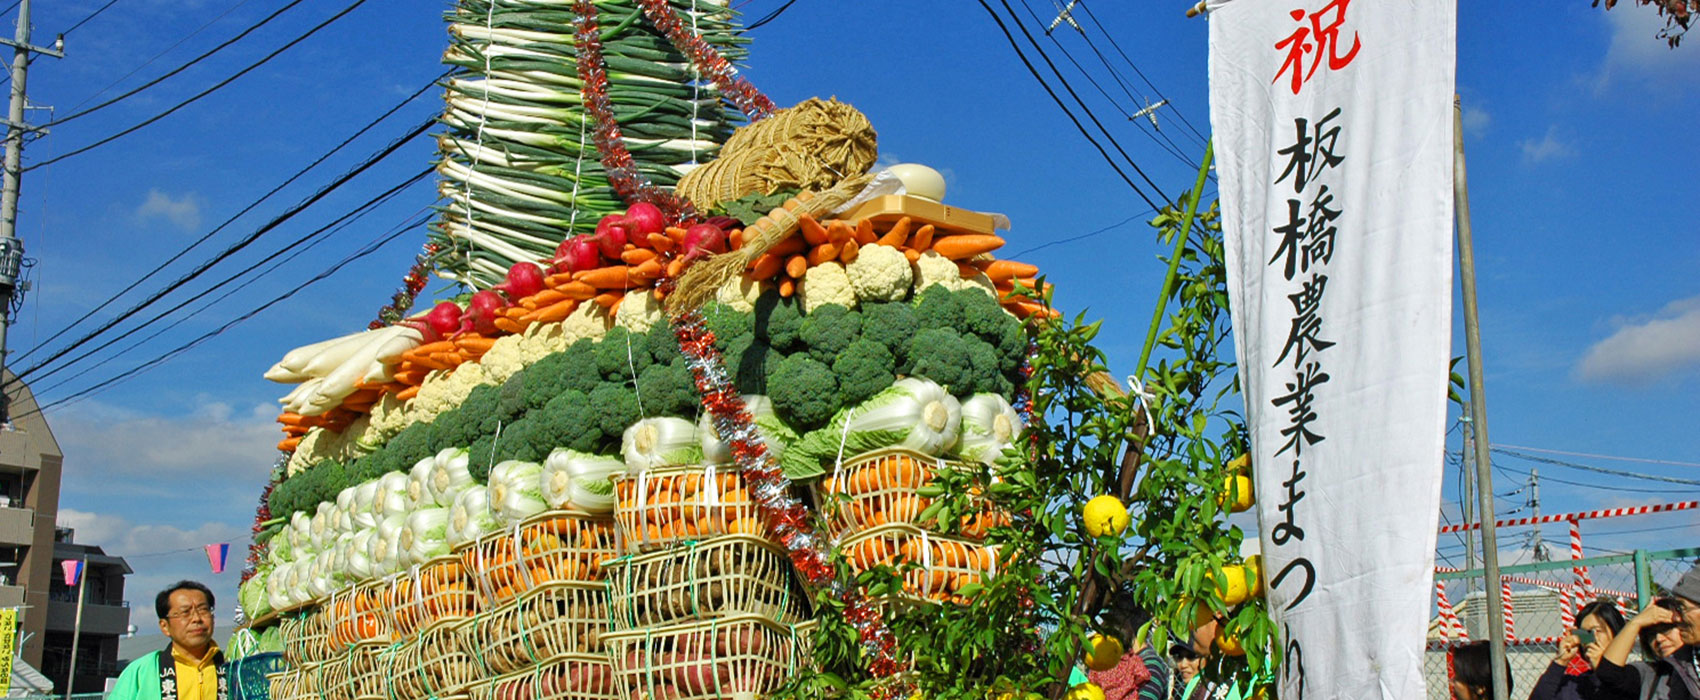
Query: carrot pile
[[651, 262]]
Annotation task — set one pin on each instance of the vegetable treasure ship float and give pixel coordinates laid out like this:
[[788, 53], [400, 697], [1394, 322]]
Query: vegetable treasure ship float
[[712, 410]]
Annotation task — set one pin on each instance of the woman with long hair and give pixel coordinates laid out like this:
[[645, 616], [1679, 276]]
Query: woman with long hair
[[1571, 674]]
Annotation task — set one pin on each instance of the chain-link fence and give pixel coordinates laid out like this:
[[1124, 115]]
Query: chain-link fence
[[1541, 600]]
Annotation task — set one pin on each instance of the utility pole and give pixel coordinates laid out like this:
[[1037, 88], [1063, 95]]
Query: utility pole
[[1540, 545], [1469, 497], [11, 250]]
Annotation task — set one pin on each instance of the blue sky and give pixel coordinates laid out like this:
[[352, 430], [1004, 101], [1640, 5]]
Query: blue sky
[[1577, 147]]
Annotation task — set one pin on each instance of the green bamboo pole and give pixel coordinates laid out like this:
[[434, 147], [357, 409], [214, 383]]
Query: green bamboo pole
[[1175, 259]]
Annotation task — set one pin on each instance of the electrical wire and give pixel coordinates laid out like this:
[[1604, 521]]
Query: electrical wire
[[1600, 470], [227, 222], [769, 17], [216, 87], [263, 22], [312, 240], [234, 248], [92, 15], [1600, 456], [1602, 487], [157, 56], [369, 249], [1082, 104], [1137, 71], [1010, 38]]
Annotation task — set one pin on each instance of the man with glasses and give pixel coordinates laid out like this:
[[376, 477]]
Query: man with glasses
[[192, 667]]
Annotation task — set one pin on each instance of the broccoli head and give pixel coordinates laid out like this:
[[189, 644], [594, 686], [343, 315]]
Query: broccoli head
[[617, 408], [481, 455], [804, 391], [570, 421], [481, 412], [726, 323], [512, 401], [828, 330], [557, 373], [750, 361], [864, 369], [410, 445], [668, 390], [937, 307], [622, 354], [449, 429], [518, 440], [663, 345], [982, 316], [891, 324], [777, 320], [962, 364]]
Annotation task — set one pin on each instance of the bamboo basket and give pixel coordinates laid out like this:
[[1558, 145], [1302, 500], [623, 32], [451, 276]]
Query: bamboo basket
[[660, 507], [878, 488], [549, 547], [436, 664], [306, 637], [294, 684], [437, 590], [333, 680], [555, 619], [577, 676], [705, 579], [358, 614], [369, 665], [742, 656], [933, 568]]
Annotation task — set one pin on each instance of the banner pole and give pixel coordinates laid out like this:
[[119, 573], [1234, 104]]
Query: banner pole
[[1175, 258], [1478, 410]]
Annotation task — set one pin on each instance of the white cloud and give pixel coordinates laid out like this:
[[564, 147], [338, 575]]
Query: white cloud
[[1476, 120], [215, 439], [1647, 349], [161, 555], [183, 212], [1548, 148], [1638, 53]]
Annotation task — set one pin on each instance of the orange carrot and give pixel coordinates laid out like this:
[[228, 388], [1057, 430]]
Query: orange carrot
[[556, 312], [735, 238], [796, 266], [865, 232], [822, 254], [289, 445], [637, 256], [474, 344], [609, 299], [1009, 269], [897, 235], [787, 287], [791, 245], [576, 290], [558, 279], [611, 277], [426, 349], [288, 418], [967, 245], [912, 254], [923, 238], [676, 233], [541, 299], [650, 269], [766, 266], [813, 232], [838, 231], [850, 251], [410, 375], [676, 267], [449, 360], [661, 242], [407, 394], [508, 325], [360, 407], [296, 431]]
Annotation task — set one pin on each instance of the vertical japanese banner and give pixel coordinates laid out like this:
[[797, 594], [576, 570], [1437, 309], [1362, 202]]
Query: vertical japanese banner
[[1333, 129], [8, 647]]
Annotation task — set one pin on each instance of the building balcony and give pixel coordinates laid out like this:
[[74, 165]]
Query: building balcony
[[17, 526], [11, 596], [98, 618]]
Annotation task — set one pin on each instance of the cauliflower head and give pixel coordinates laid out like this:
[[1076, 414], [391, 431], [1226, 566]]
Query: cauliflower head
[[880, 273], [739, 294], [827, 283], [639, 311]]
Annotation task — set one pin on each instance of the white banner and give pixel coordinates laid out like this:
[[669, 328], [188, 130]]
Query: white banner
[[1332, 122]]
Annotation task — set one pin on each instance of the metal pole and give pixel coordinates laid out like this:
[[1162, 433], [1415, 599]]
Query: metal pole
[[1469, 501], [11, 253], [77, 626], [1478, 411], [1643, 581]]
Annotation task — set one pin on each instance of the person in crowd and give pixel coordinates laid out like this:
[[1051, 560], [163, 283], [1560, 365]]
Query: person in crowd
[[1472, 672], [1571, 675], [191, 667], [1187, 683], [1680, 610]]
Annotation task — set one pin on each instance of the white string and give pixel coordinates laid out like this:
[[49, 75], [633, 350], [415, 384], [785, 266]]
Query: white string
[[696, 86], [1145, 398], [478, 138]]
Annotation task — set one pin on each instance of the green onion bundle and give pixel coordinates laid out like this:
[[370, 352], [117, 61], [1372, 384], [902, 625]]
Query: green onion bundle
[[519, 163]]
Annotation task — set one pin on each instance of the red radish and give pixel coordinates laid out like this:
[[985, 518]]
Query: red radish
[[524, 279], [645, 218], [481, 313], [444, 318], [611, 234], [577, 253], [702, 240], [726, 223]]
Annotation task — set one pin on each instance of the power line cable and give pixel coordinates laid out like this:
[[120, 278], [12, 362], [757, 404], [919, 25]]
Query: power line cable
[[1600, 470], [250, 207], [1600, 456], [769, 17], [1601, 487], [162, 53], [1082, 103], [174, 71], [216, 87], [239, 245], [370, 248], [92, 15], [1010, 38], [1137, 71], [311, 240]]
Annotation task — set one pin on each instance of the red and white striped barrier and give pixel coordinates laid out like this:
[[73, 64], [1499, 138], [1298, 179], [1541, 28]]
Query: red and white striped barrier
[[1506, 607], [1449, 625], [1550, 585], [1584, 515]]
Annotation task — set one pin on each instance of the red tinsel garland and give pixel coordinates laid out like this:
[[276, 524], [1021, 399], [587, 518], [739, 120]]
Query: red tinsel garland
[[412, 284], [734, 87]]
